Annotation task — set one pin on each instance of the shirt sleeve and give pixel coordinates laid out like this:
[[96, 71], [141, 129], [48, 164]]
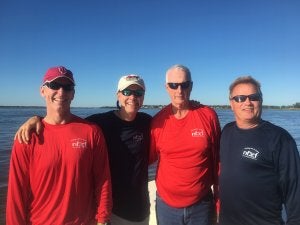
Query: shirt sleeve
[[289, 174], [153, 156], [216, 134], [18, 195], [102, 180]]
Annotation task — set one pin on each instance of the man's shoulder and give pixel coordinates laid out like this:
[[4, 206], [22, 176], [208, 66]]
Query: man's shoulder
[[99, 116], [198, 109], [274, 130], [144, 116], [229, 126], [206, 112], [204, 108], [268, 125], [163, 112], [161, 116], [85, 125]]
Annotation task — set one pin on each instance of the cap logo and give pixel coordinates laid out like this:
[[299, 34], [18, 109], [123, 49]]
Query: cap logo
[[132, 77], [62, 70]]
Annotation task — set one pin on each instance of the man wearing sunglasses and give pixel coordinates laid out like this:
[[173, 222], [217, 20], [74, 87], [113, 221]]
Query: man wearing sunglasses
[[62, 176], [185, 141], [260, 165], [127, 134]]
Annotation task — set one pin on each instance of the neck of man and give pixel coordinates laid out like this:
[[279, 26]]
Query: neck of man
[[127, 116], [58, 117], [245, 125], [180, 111]]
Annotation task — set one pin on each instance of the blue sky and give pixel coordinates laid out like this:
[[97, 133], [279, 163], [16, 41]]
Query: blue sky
[[101, 40]]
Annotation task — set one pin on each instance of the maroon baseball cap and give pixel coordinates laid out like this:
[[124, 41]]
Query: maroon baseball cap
[[56, 72]]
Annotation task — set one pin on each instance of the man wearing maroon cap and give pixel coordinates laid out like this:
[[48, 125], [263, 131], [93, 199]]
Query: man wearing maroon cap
[[62, 176]]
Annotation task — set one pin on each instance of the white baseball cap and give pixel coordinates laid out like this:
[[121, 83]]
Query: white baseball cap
[[130, 79]]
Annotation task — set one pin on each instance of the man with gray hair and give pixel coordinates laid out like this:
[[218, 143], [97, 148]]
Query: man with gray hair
[[185, 141], [260, 165]]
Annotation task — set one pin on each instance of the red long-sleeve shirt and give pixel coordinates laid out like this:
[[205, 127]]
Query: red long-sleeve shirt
[[61, 177], [187, 150]]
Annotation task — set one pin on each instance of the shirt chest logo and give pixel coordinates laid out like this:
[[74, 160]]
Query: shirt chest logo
[[79, 143], [197, 132], [250, 153], [138, 138]]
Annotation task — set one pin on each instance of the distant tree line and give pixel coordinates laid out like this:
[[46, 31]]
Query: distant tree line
[[297, 105], [294, 106]]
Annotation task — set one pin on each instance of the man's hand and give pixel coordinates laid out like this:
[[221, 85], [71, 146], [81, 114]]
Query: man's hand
[[24, 132], [216, 219]]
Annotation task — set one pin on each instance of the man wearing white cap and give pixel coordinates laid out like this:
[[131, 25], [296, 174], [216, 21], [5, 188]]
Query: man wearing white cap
[[62, 176], [127, 135]]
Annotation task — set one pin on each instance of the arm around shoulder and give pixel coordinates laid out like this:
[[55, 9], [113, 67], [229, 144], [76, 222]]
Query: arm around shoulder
[[23, 135], [102, 180]]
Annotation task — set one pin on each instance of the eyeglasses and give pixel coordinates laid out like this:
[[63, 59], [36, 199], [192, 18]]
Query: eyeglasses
[[242, 98], [136, 93], [183, 85], [56, 86]]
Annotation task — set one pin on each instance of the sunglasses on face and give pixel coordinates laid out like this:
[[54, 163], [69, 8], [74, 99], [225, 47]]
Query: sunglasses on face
[[56, 86], [242, 98], [183, 85], [136, 93]]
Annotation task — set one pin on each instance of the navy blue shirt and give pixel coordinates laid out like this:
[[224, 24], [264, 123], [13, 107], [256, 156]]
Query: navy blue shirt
[[128, 151], [260, 169]]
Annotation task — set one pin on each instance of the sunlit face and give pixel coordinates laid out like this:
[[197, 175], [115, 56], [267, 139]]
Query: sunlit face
[[131, 103], [58, 99], [179, 96], [246, 113]]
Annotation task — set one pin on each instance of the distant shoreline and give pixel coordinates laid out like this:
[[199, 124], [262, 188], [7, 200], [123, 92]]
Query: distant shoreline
[[161, 106]]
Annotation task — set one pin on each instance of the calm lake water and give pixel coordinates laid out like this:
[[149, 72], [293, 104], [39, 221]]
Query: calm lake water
[[12, 117]]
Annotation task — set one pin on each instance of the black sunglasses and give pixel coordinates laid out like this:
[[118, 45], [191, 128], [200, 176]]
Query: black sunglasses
[[136, 93], [241, 98], [56, 86], [183, 85]]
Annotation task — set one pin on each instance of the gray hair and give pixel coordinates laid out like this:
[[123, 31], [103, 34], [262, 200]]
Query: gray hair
[[245, 80], [180, 67]]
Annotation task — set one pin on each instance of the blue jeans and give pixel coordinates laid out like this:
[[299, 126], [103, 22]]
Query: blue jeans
[[200, 213]]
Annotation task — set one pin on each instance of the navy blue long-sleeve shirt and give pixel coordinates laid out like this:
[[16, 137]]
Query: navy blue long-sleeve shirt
[[260, 172], [128, 151]]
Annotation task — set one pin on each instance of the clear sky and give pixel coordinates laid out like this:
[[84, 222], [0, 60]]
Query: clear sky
[[101, 40]]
